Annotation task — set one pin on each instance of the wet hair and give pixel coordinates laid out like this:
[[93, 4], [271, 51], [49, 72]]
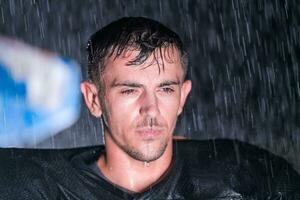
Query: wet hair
[[131, 33]]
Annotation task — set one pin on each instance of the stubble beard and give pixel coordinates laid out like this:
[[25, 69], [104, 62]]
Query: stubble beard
[[149, 151]]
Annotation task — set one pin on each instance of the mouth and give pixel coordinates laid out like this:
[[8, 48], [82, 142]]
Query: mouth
[[150, 133]]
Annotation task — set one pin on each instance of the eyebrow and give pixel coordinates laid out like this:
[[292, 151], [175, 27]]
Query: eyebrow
[[139, 85], [126, 83], [167, 83]]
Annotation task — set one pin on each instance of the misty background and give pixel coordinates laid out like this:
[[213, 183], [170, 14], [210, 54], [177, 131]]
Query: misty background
[[244, 62]]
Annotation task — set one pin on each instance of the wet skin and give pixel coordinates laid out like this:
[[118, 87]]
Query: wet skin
[[140, 107]]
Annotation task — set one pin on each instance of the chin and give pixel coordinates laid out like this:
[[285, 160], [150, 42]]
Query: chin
[[149, 151]]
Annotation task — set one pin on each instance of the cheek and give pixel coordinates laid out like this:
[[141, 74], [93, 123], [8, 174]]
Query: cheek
[[169, 107], [121, 110]]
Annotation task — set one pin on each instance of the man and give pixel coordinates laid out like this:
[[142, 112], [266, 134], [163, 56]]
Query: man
[[137, 85]]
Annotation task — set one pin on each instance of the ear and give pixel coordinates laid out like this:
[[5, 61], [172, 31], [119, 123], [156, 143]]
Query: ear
[[91, 98], [185, 90]]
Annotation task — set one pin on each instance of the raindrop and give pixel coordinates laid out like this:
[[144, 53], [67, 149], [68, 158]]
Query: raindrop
[[146, 164], [2, 16]]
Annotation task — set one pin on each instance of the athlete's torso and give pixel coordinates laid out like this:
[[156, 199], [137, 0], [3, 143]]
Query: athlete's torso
[[213, 169]]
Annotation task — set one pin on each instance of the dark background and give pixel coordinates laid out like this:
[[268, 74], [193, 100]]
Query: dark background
[[244, 62]]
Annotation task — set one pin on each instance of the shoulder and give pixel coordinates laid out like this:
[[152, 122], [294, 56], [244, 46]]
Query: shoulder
[[18, 160], [35, 171], [37, 157], [237, 165], [231, 151]]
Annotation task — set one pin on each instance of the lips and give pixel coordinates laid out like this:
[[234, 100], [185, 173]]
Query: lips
[[149, 132]]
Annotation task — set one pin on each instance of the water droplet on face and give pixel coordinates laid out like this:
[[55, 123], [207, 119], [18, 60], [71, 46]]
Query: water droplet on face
[[146, 164]]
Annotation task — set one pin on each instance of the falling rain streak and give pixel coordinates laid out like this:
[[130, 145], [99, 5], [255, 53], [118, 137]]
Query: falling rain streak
[[244, 59]]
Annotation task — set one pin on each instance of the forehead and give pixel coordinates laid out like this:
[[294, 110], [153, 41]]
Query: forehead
[[162, 62]]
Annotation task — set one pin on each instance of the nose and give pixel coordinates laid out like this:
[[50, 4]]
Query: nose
[[149, 105]]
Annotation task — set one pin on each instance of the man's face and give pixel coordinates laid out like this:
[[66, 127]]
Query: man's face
[[141, 103]]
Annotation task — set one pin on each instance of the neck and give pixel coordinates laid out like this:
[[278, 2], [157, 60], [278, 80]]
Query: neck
[[129, 173]]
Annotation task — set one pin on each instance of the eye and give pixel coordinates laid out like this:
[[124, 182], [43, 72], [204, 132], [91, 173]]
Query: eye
[[128, 91], [167, 90]]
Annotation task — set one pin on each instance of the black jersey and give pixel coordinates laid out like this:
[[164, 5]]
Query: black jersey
[[206, 170]]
